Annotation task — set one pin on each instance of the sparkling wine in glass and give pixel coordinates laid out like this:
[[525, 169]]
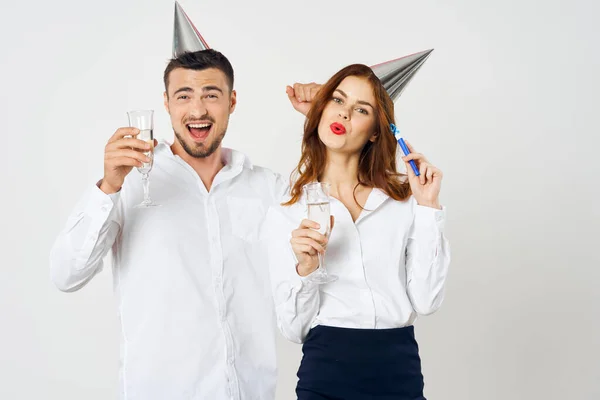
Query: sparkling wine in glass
[[318, 205], [144, 121]]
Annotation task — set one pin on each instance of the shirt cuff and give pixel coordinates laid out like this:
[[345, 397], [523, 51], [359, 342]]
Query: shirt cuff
[[113, 196], [428, 217], [302, 284], [96, 205]]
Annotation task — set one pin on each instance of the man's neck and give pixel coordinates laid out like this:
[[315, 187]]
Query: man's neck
[[206, 168]]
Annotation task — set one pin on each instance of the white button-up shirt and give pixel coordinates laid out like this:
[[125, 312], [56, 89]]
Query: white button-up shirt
[[391, 266], [192, 285]]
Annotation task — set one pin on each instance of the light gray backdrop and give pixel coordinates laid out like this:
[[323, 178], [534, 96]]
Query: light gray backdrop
[[506, 106]]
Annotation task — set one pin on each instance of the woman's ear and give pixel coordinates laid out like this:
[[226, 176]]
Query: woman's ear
[[374, 137]]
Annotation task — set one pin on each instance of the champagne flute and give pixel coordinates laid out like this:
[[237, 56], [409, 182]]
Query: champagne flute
[[144, 121], [317, 201]]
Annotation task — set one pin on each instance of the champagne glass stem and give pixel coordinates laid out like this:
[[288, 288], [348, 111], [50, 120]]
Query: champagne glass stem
[[321, 266], [146, 185]]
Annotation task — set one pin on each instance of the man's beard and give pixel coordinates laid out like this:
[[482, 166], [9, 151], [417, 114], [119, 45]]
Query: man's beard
[[201, 151]]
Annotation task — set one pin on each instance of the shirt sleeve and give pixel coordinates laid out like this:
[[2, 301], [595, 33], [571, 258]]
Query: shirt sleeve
[[90, 231], [296, 299], [427, 259], [279, 188]]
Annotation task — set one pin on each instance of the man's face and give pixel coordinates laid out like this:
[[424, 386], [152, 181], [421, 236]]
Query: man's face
[[199, 103]]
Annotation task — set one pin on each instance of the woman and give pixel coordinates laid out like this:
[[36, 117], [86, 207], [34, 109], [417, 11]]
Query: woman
[[386, 247]]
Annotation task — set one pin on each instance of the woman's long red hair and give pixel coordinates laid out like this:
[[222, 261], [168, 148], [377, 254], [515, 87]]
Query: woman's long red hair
[[377, 165]]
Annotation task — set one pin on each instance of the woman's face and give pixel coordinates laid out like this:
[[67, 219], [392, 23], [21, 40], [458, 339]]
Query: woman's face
[[348, 120]]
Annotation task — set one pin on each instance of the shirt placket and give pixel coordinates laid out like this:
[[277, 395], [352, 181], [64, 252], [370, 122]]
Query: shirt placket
[[217, 274], [366, 293]]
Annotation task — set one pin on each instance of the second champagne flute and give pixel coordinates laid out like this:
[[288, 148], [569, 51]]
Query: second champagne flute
[[317, 202]]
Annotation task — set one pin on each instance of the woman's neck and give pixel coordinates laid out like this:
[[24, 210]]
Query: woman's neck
[[341, 172]]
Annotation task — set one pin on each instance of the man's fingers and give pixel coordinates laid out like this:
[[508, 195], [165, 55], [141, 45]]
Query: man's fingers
[[136, 155], [124, 161], [128, 143], [122, 132]]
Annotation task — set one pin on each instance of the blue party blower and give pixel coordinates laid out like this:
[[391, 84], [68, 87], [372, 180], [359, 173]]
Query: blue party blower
[[404, 148]]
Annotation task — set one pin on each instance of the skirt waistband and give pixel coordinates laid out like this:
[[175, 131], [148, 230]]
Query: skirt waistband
[[360, 344]]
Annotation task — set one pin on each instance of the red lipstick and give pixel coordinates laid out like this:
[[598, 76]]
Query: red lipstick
[[337, 128]]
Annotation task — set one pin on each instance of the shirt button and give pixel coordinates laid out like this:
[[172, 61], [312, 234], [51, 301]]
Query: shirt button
[[230, 360]]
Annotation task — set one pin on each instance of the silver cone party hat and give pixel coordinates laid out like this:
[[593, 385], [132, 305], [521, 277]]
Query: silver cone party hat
[[396, 74], [186, 37]]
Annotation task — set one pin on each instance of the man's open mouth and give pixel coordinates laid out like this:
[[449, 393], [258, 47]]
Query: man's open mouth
[[199, 131]]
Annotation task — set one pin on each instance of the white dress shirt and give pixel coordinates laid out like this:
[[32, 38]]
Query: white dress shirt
[[192, 285], [391, 265]]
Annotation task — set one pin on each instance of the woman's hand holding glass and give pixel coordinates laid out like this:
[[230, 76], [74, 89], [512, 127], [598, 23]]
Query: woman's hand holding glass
[[307, 243]]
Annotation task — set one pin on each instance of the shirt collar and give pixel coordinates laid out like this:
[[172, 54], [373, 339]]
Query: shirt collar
[[376, 198], [235, 158], [230, 157]]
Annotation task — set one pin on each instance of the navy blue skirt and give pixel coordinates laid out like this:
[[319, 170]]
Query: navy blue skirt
[[361, 364]]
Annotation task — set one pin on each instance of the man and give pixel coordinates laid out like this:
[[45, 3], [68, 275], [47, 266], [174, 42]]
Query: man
[[192, 285]]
